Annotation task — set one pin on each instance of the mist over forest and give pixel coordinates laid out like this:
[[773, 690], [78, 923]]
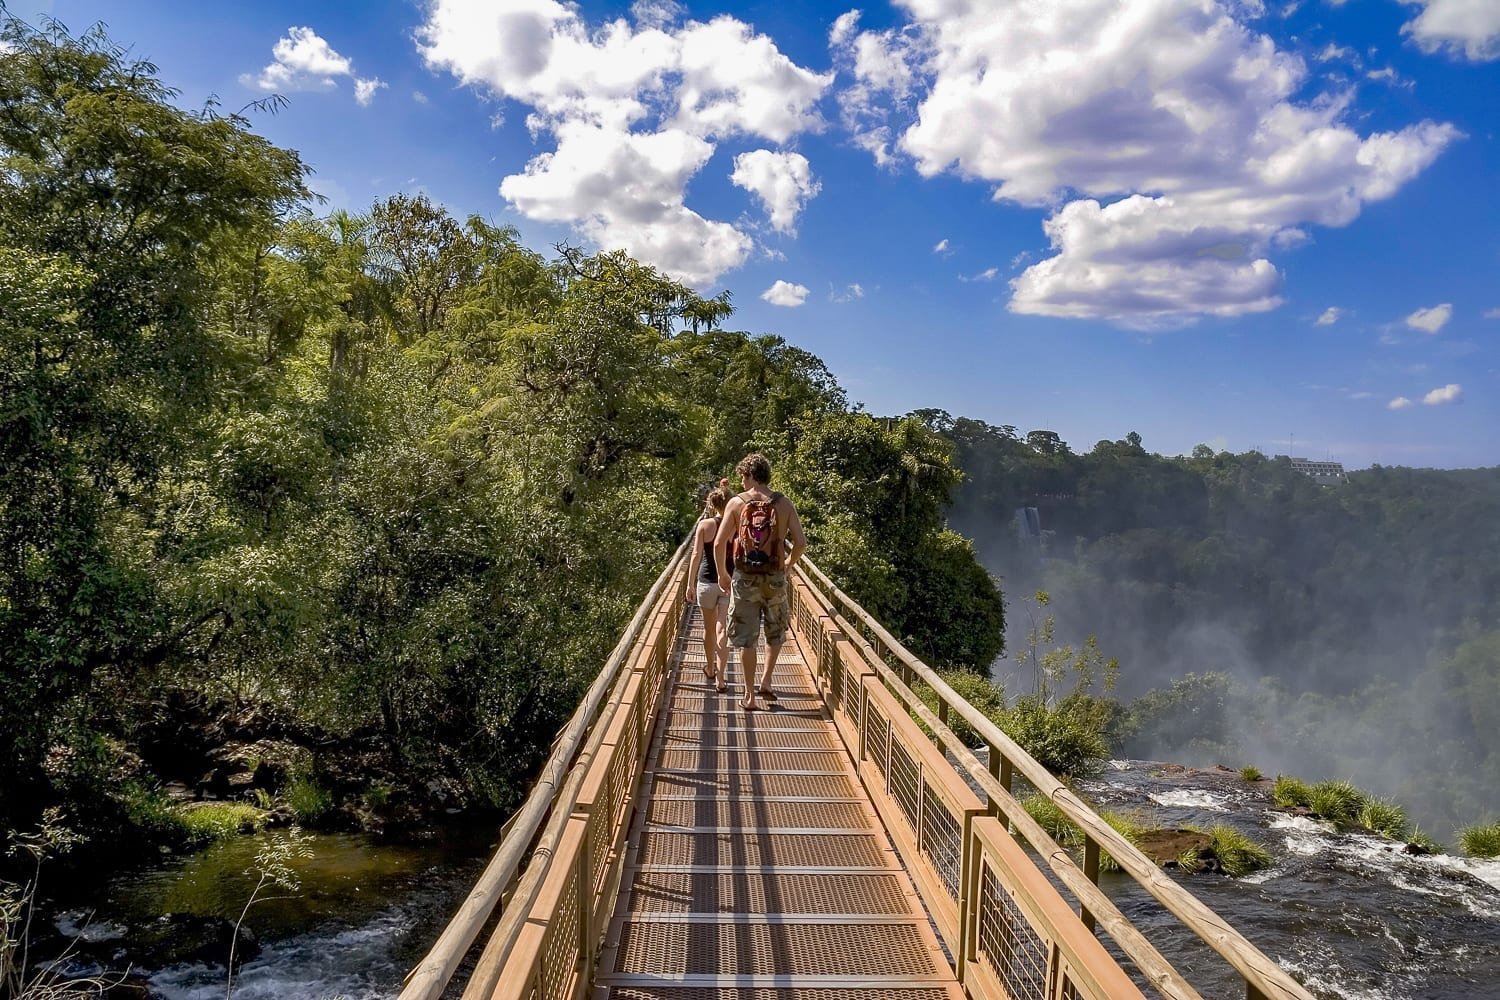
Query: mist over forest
[[1348, 631]]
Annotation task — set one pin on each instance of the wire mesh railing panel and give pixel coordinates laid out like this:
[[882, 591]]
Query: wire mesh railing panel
[[851, 690], [942, 841], [906, 785], [878, 740], [1008, 944], [560, 957]]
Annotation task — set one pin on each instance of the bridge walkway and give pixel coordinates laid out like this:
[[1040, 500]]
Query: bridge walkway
[[757, 862], [844, 844]]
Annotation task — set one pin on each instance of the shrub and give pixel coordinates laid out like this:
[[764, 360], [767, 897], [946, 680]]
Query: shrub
[[1481, 840], [378, 794], [308, 800], [1251, 773], [1059, 738], [1384, 817], [205, 822], [981, 692], [1339, 802], [1289, 793], [1236, 853]]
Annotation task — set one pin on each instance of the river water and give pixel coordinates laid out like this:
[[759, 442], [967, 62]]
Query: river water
[[365, 912], [1351, 916]]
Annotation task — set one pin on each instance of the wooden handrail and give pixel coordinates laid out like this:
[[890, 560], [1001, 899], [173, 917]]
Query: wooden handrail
[[1261, 975], [1153, 965], [430, 978]]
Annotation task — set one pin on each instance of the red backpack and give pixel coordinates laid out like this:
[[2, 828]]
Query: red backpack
[[757, 543]]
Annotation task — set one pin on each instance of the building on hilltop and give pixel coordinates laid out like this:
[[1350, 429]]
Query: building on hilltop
[[1322, 473]]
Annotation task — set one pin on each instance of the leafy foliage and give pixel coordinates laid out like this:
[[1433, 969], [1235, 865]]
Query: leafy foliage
[[387, 475], [980, 692], [1061, 737]]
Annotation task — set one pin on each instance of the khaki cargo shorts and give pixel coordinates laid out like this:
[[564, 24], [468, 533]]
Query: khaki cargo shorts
[[757, 598]]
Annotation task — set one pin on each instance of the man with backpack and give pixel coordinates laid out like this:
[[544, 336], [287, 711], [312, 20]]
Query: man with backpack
[[761, 538]]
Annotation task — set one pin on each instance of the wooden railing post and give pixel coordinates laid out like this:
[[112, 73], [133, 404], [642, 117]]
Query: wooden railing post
[[1090, 869]]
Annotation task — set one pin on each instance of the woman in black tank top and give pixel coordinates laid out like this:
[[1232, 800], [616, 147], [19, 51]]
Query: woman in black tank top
[[703, 587]]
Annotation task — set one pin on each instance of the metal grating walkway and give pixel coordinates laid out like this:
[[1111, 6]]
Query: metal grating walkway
[[757, 869]]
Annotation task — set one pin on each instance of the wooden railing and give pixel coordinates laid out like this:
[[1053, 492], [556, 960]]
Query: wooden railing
[[555, 873], [1010, 932]]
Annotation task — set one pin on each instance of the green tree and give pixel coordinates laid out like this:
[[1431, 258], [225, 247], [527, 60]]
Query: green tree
[[110, 199]]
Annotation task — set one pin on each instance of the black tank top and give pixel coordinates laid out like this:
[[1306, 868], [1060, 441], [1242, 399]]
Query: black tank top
[[708, 568]]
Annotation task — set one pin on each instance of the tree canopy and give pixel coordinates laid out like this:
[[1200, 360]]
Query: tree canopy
[[389, 472]]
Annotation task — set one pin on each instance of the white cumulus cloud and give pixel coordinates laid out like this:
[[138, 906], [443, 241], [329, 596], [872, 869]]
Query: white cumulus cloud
[[624, 190], [782, 181], [854, 290], [1399, 403], [635, 111], [785, 293], [301, 61], [364, 90], [1449, 393], [1174, 145], [941, 246], [1431, 320], [1330, 316], [1461, 27]]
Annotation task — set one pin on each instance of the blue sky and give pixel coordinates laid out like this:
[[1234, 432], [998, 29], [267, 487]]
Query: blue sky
[[1252, 224]]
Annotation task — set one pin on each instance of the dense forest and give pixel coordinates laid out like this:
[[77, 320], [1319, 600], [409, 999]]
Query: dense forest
[[384, 484], [1341, 631]]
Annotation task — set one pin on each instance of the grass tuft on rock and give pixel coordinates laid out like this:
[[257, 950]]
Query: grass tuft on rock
[[1289, 792], [1384, 817], [1481, 840], [1236, 854], [1050, 817], [1338, 802]]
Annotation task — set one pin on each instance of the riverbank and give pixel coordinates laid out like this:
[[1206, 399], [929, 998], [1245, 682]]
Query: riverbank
[[362, 910]]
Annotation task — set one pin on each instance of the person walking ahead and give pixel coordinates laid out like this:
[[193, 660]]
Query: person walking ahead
[[703, 586], [761, 536]]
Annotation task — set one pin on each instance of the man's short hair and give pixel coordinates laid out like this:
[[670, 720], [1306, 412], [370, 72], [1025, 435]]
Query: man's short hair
[[756, 466]]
